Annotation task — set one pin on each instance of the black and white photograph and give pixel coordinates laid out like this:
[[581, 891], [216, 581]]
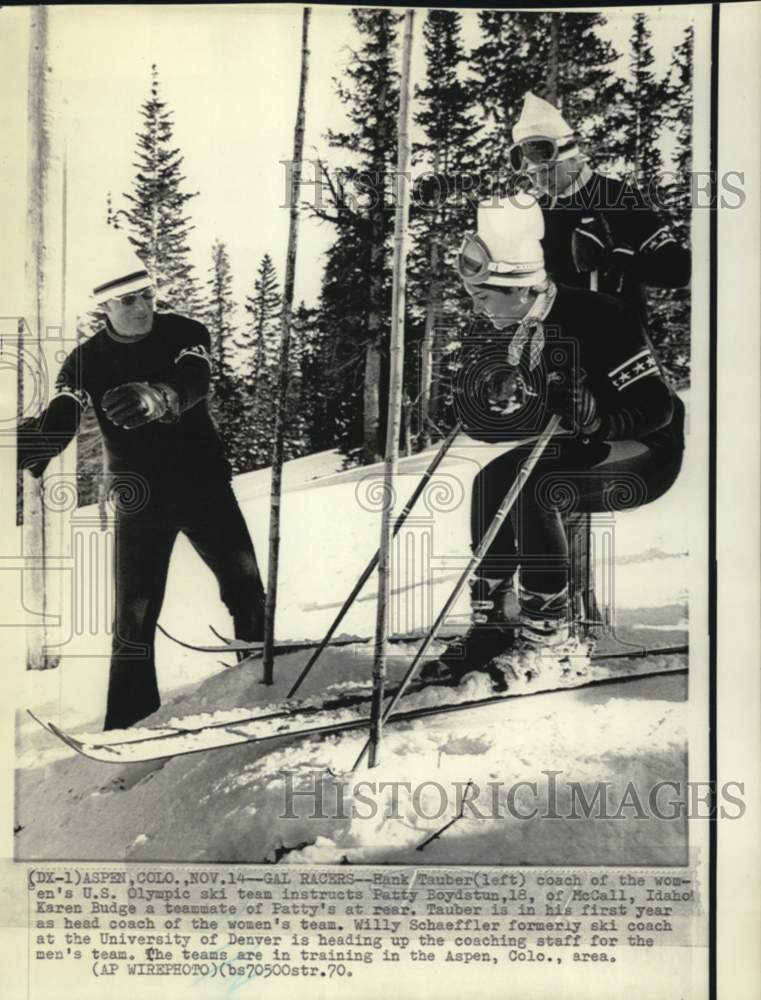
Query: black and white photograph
[[360, 390]]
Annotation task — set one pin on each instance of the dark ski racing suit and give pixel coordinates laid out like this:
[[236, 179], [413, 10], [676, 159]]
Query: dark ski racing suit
[[168, 477], [641, 249], [638, 248], [630, 457]]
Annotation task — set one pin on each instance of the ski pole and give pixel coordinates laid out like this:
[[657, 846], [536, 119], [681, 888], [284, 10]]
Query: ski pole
[[525, 470], [369, 569], [583, 579]]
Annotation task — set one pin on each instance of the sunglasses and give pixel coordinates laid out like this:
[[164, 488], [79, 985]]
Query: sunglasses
[[537, 151], [476, 264], [148, 294]]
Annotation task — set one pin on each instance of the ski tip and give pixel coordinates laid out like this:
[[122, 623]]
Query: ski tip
[[39, 721], [52, 728], [65, 738]]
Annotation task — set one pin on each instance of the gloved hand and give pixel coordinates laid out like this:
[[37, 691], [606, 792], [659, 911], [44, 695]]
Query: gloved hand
[[135, 404], [591, 244], [570, 398]]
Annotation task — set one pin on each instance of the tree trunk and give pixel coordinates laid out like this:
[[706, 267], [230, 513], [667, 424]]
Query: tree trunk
[[427, 347], [256, 373], [396, 387], [371, 404], [553, 61], [432, 309], [285, 336], [42, 529], [371, 436]]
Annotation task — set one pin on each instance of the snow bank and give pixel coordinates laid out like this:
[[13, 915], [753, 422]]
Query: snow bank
[[229, 805], [258, 803]]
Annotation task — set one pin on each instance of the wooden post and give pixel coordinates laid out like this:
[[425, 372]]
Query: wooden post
[[524, 471], [268, 653], [396, 377], [432, 309], [36, 520]]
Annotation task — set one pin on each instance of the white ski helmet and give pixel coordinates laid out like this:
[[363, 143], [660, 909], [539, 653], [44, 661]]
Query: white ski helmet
[[506, 250], [540, 119]]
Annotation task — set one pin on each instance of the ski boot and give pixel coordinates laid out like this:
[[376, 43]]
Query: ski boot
[[249, 624], [547, 649], [491, 634], [546, 643]]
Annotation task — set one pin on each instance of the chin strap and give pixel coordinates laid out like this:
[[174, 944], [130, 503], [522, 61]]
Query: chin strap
[[530, 330]]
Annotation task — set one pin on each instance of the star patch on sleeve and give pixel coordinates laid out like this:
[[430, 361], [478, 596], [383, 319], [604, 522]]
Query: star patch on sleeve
[[657, 240], [632, 370], [63, 388]]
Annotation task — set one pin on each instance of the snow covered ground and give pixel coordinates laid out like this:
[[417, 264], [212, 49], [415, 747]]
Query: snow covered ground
[[228, 804]]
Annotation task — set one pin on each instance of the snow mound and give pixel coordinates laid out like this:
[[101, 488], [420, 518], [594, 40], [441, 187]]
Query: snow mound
[[298, 802]]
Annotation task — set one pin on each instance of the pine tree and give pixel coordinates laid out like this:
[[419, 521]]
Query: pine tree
[[561, 57], [220, 310], [343, 311], [644, 98], [92, 485], [259, 353], [355, 300], [303, 410], [156, 220], [671, 308], [504, 71], [435, 301], [677, 111], [653, 109], [264, 308], [578, 77], [314, 383], [227, 403]]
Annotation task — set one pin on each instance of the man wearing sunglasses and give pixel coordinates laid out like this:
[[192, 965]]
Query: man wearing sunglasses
[[535, 348], [147, 375], [599, 231]]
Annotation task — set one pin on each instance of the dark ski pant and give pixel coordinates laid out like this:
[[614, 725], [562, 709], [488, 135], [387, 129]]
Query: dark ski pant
[[571, 478], [144, 540]]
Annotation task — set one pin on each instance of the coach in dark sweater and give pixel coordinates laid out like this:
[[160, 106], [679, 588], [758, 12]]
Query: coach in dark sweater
[[147, 377]]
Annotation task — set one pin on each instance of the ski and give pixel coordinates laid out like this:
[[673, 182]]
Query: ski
[[344, 712], [281, 646], [296, 645]]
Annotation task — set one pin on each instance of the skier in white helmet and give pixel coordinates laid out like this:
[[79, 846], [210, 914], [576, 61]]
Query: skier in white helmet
[[536, 348], [595, 225], [601, 232]]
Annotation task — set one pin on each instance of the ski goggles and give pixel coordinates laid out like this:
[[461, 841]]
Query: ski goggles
[[476, 265], [538, 151], [147, 294]]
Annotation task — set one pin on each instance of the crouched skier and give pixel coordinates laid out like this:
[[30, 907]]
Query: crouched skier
[[147, 376], [537, 348]]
